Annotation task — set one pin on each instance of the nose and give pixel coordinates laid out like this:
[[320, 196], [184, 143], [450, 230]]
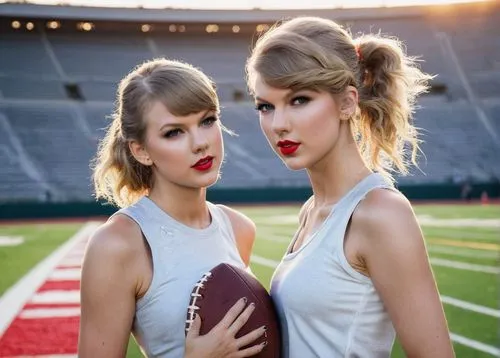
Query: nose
[[200, 141], [280, 123]]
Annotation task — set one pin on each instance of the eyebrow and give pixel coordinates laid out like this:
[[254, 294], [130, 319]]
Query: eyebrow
[[204, 116], [260, 99], [287, 96]]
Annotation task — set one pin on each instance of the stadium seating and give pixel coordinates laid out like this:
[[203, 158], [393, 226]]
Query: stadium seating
[[18, 180], [57, 92]]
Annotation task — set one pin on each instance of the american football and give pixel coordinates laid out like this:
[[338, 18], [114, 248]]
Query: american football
[[219, 289]]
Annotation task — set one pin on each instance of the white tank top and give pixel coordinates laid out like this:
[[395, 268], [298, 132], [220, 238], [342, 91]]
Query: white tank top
[[181, 255], [326, 308]]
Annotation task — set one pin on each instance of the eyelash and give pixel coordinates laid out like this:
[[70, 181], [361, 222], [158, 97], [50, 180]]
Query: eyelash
[[172, 133], [207, 122], [266, 107], [263, 107]]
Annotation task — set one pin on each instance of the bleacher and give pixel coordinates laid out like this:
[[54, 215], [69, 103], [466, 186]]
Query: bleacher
[[57, 90]]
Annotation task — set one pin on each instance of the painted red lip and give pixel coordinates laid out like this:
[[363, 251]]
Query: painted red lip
[[287, 147], [204, 164]]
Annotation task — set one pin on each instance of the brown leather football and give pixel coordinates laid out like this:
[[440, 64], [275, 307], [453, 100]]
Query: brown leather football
[[219, 289]]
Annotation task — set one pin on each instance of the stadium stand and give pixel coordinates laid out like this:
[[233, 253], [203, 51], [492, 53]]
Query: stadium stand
[[57, 88]]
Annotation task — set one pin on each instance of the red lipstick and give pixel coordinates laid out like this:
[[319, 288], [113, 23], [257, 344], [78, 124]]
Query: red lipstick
[[203, 164], [288, 147]]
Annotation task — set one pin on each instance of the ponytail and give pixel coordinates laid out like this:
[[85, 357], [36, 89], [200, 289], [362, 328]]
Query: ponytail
[[389, 83]]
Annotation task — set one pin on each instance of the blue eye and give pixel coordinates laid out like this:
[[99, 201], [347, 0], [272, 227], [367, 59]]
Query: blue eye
[[263, 107], [172, 133], [209, 121], [300, 100]]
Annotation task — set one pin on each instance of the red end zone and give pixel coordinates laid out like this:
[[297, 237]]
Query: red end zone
[[48, 323]]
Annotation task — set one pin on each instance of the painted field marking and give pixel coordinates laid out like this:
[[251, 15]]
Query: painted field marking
[[468, 306], [486, 348], [14, 298], [459, 265], [463, 252], [472, 245]]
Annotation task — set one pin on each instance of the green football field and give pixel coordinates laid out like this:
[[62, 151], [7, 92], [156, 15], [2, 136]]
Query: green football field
[[463, 242]]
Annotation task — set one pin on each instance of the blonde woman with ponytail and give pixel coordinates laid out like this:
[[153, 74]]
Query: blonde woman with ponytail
[[356, 273], [160, 153]]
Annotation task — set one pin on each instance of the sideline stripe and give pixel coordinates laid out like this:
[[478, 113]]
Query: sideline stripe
[[14, 298]]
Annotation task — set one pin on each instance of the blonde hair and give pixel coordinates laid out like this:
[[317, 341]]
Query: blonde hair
[[118, 177], [318, 54]]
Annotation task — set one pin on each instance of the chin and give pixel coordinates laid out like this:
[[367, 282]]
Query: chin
[[293, 163], [209, 180]]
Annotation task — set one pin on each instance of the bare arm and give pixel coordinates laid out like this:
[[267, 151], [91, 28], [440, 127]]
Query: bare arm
[[244, 231], [394, 252], [108, 290]]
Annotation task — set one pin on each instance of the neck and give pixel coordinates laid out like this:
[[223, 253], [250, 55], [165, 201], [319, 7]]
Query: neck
[[186, 205], [336, 173]]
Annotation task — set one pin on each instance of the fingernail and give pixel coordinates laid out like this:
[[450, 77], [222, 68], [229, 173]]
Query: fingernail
[[264, 344], [265, 328], [252, 304], [245, 300]]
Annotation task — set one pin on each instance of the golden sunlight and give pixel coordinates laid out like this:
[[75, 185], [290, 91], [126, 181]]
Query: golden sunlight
[[249, 4]]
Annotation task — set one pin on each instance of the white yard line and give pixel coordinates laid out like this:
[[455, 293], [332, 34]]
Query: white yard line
[[470, 306], [40, 313], [486, 348], [465, 266], [15, 297], [427, 220], [462, 252], [263, 261], [275, 238], [11, 240], [56, 297], [62, 274]]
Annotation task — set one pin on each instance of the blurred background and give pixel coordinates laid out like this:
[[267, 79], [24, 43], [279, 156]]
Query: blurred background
[[61, 61]]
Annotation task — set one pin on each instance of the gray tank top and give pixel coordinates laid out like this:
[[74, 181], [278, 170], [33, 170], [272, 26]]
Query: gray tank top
[[326, 308], [180, 255]]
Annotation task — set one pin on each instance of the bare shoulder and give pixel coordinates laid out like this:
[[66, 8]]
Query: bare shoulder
[[240, 222], [382, 207], [119, 239], [244, 231], [386, 218]]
